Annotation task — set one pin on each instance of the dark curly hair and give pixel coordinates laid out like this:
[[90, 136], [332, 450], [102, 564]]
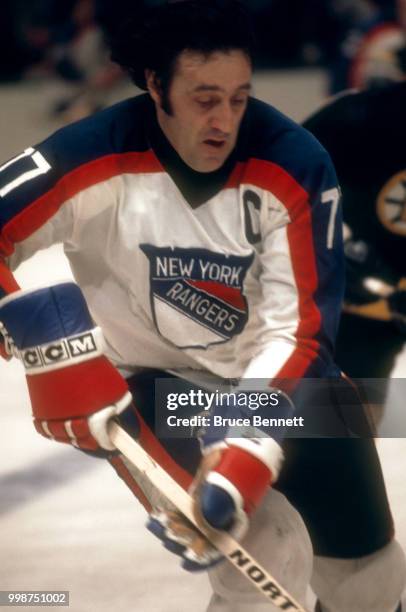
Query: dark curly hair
[[152, 37]]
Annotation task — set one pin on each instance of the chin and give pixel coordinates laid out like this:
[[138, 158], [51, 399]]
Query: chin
[[209, 165]]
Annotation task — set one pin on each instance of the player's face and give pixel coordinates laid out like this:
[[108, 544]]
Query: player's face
[[208, 97]]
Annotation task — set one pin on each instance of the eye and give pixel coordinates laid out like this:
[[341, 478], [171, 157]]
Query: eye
[[206, 103], [239, 102]]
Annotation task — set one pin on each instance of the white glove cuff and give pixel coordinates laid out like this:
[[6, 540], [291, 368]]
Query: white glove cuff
[[98, 421], [265, 449]]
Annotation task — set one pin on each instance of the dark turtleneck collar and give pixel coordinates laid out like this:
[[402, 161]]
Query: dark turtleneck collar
[[196, 187]]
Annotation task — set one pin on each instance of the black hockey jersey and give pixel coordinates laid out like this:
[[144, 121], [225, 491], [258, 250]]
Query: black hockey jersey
[[363, 132]]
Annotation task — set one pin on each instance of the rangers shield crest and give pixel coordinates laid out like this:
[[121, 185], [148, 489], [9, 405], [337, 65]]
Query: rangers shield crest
[[197, 295]]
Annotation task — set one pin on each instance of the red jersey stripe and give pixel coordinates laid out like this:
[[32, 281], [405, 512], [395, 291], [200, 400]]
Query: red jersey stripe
[[272, 177], [41, 210]]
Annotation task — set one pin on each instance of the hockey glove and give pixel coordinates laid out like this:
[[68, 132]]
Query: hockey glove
[[232, 480], [73, 387]]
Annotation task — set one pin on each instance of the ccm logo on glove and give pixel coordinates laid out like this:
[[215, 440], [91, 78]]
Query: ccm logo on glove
[[52, 354]]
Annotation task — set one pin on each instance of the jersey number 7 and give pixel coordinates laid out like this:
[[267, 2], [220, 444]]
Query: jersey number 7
[[331, 196]]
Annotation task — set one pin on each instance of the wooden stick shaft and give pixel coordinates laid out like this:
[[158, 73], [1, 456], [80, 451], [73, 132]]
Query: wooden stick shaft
[[232, 550]]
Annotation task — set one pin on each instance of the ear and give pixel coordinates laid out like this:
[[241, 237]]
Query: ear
[[153, 85]]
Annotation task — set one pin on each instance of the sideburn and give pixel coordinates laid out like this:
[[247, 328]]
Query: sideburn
[[165, 102], [161, 86]]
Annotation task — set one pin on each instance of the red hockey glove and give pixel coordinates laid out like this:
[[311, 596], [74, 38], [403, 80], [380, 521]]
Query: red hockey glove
[[73, 387]]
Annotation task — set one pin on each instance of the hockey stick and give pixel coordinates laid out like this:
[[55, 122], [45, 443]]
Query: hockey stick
[[232, 550]]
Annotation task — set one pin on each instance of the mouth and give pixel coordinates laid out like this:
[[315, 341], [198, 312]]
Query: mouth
[[217, 144]]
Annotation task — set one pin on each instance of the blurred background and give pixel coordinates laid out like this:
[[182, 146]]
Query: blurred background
[[355, 42], [66, 522]]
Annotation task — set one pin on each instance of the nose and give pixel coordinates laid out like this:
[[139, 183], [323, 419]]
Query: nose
[[222, 119]]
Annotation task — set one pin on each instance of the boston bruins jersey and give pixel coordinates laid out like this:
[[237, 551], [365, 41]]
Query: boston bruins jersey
[[363, 132], [237, 272]]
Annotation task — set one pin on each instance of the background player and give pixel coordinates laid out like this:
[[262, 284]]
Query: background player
[[362, 132], [371, 51]]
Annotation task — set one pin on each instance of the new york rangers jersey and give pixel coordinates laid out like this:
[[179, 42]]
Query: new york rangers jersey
[[237, 272]]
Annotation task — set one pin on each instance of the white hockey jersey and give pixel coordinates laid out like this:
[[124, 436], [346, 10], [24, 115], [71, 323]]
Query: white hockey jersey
[[238, 272]]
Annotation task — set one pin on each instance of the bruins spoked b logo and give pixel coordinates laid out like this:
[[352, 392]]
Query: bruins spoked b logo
[[391, 204]]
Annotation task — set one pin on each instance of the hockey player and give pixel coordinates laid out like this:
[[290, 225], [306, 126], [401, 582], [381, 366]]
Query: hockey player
[[371, 52], [203, 229], [361, 132]]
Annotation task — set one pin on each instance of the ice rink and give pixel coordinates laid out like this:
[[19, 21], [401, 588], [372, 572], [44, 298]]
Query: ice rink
[[67, 523]]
